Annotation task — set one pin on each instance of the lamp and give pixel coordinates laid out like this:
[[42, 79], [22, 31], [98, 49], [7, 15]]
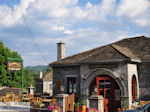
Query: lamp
[[122, 77], [95, 90], [83, 76], [62, 88]]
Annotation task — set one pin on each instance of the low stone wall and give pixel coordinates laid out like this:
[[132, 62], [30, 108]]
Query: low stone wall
[[96, 101]]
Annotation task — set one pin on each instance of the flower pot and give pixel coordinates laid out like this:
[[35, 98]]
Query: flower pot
[[118, 109], [79, 109]]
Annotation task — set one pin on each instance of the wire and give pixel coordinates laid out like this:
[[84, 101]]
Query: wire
[[31, 35]]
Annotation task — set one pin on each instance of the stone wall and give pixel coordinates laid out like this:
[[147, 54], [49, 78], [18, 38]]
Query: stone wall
[[125, 72], [61, 73], [46, 87], [121, 69], [144, 81], [132, 71]]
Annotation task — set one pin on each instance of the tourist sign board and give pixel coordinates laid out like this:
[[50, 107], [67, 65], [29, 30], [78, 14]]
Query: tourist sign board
[[14, 66]]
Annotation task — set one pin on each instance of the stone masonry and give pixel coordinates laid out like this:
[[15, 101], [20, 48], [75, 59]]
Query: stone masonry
[[61, 73], [144, 81]]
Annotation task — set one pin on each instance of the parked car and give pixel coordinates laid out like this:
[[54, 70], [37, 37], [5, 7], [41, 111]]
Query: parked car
[[145, 108]]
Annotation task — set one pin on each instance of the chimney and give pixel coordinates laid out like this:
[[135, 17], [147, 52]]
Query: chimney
[[60, 50], [41, 74]]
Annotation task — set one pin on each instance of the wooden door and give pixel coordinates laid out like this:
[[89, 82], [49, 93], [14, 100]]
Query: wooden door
[[69, 103], [105, 87]]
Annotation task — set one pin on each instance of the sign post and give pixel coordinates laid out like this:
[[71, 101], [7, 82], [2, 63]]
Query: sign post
[[15, 64]]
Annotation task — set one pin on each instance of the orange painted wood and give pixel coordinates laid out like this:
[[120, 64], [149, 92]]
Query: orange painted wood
[[58, 83], [69, 103], [133, 88], [108, 102]]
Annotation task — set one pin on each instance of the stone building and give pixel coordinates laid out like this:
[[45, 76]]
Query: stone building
[[117, 71], [44, 84]]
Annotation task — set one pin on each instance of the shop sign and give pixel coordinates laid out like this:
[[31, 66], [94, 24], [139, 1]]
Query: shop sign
[[14, 66]]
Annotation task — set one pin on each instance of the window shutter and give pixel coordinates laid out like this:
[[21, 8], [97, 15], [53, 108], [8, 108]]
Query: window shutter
[[58, 83]]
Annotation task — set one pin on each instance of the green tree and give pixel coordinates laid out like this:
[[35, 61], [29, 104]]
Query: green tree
[[49, 69], [28, 79], [12, 79]]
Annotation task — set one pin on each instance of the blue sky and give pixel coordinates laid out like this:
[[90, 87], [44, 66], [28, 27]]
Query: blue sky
[[33, 28]]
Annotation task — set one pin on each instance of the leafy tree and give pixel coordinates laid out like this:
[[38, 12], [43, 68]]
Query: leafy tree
[[28, 79], [11, 79], [35, 70], [49, 69], [8, 78]]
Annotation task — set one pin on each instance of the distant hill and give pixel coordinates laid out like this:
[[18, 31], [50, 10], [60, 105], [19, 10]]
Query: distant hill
[[33, 69]]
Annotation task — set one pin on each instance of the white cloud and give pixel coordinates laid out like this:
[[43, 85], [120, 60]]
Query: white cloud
[[133, 8], [55, 8], [137, 11], [68, 32], [59, 28], [92, 12], [5, 15], [10, 16], [64, 11], [80, 27], [58, 12]]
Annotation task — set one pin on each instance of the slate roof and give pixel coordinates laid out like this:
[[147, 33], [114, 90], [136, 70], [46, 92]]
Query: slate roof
[[137, 48], [48, 77]]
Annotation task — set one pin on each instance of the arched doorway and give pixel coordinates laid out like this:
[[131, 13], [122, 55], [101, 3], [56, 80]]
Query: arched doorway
[[133, 88], [109, 89], [90, 83]]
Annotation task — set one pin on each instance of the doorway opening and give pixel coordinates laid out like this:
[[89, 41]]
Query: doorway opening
[[109, 89]]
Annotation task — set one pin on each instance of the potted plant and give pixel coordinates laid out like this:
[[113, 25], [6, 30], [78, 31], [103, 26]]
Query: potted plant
[[92, 110], [124, 103], [79, 105], [54, 108]]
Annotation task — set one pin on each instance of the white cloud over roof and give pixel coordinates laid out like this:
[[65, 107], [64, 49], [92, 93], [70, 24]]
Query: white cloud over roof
[[80, 27]]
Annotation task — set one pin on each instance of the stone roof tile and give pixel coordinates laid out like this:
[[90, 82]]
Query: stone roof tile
[[134, 48], [48, 77]]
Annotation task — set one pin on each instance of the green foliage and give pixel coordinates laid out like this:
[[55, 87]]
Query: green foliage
[[12, 79], [28, 79], [80, 102], [124, 100], [35, 70]]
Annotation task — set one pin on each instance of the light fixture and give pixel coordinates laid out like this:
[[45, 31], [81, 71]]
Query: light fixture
[[122, 77], [62, 88], [95, 90], [83, 76]]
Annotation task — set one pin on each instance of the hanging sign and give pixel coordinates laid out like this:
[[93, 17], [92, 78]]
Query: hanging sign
[[14, 66]]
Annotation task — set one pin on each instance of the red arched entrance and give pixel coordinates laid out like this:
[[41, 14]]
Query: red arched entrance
[[133, 88], [109, 89]]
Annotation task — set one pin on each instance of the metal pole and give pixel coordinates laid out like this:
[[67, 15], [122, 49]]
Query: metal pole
[[22, 83], [16, 59]]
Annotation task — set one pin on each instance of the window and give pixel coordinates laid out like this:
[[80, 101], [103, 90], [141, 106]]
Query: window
[[71, 84], [133, 88], [50, 86], [58, 83]]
